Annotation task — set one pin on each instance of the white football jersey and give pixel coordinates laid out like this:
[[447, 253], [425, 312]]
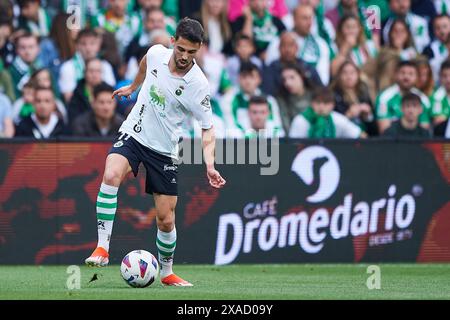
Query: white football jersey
[[165, 101]]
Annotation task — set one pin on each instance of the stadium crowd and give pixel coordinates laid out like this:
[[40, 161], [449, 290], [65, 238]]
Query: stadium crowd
[[285, 68]]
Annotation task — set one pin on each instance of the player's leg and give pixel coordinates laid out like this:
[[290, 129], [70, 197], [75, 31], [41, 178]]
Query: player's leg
[[116, 169], [166, 238]]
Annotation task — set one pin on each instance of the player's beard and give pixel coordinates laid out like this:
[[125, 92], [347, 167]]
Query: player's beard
[[180, 65]]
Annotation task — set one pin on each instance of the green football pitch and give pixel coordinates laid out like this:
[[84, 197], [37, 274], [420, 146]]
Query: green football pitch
[[273, 281]]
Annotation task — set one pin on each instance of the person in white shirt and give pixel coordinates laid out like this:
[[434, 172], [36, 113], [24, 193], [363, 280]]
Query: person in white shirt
[[172, 88], [312, 49], [320, 121], [88, 45]]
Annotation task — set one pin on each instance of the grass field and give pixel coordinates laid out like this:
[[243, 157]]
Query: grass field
[[286, 281]]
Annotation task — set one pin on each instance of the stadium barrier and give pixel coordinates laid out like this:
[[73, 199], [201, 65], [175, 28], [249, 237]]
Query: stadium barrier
[[331, 201]]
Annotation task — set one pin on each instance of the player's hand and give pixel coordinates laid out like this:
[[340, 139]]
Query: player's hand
[[215, 179], [125, 91]]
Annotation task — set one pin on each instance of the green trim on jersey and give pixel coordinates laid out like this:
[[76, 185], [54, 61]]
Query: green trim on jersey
[[388, 104], [440, 105]]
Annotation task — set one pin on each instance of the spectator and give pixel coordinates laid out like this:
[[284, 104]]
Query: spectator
[[408, 125], [214, 18], [214, 67], [6, 83], [33, 18], [352, 98], [320, 121], [44, 122], [153, 20], [83, 95], [352, 44], [401, 40], [7, 52], [167, 22], [294, 95], [60, 45], [235, 102], [257, 23], [23, 107], [244, 49], [260, 126], [288, 48], [101, 120], [321, 25], [26, 61], [88, 45], [43, 78], [115, 19], [440, 101], [426, 10], [425, 82], [359, 9], [437, 50], [388, 105], [311, 49], [417, 25], [6, 122]]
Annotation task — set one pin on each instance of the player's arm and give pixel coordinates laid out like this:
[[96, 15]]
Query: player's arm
[[209, 147], [127, 91]]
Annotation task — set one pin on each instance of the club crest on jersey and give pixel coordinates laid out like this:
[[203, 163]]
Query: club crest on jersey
[[179, 91], [157, 97]]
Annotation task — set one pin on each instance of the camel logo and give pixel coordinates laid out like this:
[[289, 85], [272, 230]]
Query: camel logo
[[319, 169]]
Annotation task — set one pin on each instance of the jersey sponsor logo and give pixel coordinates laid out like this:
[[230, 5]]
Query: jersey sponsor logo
[[118, 144], [206, 102], [137, 127], [168, 167], [157, 97]]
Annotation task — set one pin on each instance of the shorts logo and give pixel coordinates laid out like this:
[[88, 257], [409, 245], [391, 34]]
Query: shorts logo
[[118, 144], [170, 167], [173, 180]]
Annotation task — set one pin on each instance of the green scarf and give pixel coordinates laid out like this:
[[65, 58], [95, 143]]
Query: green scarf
[[26, 110], [319, 126]]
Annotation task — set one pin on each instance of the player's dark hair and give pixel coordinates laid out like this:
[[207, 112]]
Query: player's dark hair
[[247, 68], [323, 94], [411, 98], [407, 63], [190, 30], [102, 87], [258, 99], [445, 65], [87, 32]]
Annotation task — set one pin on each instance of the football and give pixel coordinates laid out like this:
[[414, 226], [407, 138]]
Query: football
[[139, 268]]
